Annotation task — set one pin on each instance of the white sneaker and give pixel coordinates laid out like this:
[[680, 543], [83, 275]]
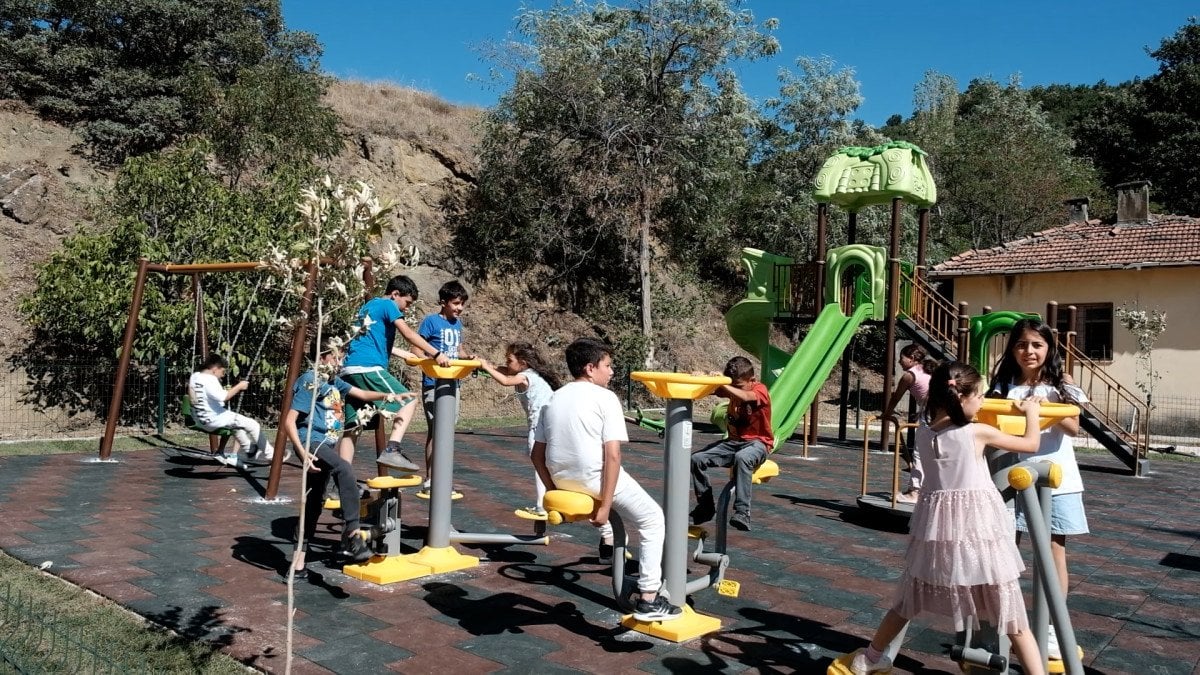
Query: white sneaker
[[229, 460], [1052, 649], [859, 665]]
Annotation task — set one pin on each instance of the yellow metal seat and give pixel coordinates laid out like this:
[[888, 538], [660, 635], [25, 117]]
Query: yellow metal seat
[[565, 506], [386, 482], [765, 472]]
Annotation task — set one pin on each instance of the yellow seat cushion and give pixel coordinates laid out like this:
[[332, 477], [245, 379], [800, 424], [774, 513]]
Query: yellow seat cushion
[[768, 470], [571, 505]]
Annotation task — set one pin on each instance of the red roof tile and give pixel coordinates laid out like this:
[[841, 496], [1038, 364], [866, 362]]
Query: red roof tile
[[1164, 241]]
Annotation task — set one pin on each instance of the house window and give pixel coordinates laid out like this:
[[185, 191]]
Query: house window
[[1093, 326]]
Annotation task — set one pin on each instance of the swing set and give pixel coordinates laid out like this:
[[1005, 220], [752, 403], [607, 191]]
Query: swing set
[[217, 439], [200, 344]]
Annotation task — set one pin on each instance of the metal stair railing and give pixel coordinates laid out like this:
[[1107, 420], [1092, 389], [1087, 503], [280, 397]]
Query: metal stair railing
[[1109, 400]]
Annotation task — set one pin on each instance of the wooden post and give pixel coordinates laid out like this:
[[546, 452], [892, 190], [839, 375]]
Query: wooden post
[[964, 332], [297, 358], [814, 411], [922, 240], [893, 306], [114, 406]]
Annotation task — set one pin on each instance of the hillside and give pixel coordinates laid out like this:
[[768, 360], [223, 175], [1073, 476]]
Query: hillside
[[415, 149]]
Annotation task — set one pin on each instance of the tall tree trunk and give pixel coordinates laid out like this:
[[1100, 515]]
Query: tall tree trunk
[[644, 276]]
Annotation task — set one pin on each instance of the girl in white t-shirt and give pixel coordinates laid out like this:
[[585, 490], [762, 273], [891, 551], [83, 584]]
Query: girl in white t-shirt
[[1032, 368], [526, 371]]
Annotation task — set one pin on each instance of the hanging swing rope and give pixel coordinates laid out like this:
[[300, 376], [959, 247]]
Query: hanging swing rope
[[245, 314], [262, 343], [197, 308]]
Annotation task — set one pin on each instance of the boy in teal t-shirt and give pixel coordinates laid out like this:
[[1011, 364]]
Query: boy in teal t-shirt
[[368, 354]]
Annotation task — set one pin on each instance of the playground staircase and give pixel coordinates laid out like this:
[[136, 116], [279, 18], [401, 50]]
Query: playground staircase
[[933, 322]]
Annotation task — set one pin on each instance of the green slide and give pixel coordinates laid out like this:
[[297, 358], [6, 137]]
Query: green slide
[[794, 380]]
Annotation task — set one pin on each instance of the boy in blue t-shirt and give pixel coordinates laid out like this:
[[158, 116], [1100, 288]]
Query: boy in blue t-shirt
[[322, 431], [368, 354], [443, 332]]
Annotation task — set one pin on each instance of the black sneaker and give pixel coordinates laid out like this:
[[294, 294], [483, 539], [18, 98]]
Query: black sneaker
[[396, 460], [740, 521], [605, 553], [703, 513], [356, 550], [656, 610]]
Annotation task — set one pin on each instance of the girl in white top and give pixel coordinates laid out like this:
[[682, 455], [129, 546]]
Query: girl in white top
[[526, 371], [1032, 368]]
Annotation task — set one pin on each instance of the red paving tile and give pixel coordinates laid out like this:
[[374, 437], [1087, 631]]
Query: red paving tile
[[447, 660]]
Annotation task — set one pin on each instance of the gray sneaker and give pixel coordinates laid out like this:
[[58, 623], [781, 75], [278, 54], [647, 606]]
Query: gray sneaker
[[396, 460]]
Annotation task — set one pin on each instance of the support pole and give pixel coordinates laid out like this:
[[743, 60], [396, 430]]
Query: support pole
[[893, 305], [814, 411], [114, 406], [293, 372], [964, 332]]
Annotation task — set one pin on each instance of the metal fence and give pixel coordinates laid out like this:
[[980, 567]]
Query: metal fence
[[33, 640]]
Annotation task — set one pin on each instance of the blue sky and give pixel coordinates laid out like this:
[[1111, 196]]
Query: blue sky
[[432, 45]]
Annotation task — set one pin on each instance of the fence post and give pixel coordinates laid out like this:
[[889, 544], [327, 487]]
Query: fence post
[[162, 393]]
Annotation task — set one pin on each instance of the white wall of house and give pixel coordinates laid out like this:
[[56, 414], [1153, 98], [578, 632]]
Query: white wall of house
[[1175, 290]]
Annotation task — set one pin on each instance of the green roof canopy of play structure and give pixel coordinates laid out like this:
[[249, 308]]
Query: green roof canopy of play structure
[[855, 177]]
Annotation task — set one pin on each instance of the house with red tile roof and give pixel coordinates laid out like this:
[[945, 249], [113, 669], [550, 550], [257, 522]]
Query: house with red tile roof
[[1142, 261]]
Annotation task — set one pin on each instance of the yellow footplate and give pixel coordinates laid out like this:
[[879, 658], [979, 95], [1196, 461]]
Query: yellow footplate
[[729, 587], [1057, 666]]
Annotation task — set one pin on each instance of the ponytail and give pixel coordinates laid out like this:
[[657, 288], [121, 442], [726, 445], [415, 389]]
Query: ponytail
[[949, 382], [530, 355]]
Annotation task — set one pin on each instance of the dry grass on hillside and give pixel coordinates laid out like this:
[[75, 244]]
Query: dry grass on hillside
[[399, 112]]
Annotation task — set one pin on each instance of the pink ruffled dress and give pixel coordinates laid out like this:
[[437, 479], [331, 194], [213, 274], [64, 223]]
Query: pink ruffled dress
[[962, 560]]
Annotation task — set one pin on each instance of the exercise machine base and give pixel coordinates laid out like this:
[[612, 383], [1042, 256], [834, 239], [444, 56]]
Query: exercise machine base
[[687, 627]]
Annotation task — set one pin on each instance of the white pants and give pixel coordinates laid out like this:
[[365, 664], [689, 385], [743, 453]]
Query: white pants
[[641, 514], [244, 429]]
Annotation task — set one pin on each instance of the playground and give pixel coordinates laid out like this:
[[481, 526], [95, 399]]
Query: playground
[[190, 546]]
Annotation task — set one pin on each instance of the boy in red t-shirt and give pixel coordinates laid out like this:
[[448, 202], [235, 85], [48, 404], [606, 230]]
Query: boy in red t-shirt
[[749, 441]]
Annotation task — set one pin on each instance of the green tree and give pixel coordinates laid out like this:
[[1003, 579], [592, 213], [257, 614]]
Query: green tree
[[166, 208], [136, 75], [813, 117], [623, 127], [1007, 170]]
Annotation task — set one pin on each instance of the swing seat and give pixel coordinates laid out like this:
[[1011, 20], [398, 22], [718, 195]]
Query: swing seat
[[217, 440]]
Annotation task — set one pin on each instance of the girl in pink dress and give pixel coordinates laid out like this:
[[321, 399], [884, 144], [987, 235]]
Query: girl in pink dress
[[962, 561], [915, 381]]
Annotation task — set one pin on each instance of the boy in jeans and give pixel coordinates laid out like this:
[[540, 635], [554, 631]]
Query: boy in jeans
[[577, 446], [750, 440], [443, 331], [316, 437], [367, 356]]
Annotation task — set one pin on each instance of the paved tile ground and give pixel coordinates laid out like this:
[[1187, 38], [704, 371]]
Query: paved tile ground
[[189, 545]]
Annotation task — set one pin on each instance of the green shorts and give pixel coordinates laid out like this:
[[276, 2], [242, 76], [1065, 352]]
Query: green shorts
[[375, 380]]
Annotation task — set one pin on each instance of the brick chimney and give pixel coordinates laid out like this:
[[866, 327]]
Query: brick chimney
[[1133, 203], [1078, 209]]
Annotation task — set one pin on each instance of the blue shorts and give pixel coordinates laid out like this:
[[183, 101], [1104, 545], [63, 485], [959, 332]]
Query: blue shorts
[[1067, 516]]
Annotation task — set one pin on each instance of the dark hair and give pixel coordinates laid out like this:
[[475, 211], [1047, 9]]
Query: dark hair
[[583, 352], [212, 360], [944, 396], [915, 352], [403, 285], [452, 290], [533, 358], [316, 350], [1008, 371], [739, 368]]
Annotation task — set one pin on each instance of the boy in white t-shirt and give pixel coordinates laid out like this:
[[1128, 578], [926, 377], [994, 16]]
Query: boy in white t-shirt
[[208, 409], [577, 447]]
